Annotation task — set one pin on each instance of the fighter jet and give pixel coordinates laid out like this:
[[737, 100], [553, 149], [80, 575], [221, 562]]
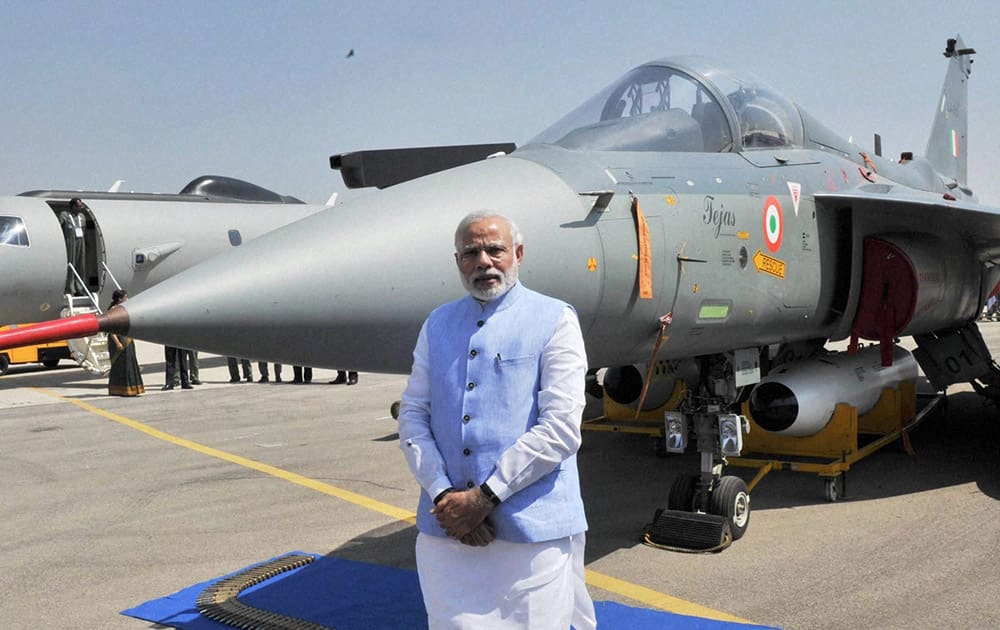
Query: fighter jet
[[702, 225], [64, 251]]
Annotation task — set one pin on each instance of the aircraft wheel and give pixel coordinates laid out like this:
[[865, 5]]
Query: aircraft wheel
[[4, 364], [732, 500], [681, 495], [50, 363], [832, 489]]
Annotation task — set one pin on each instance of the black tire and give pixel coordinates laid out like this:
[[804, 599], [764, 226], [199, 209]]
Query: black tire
[[4, 364], [394, 410], [681, 495], [50, 363], [732, 500]]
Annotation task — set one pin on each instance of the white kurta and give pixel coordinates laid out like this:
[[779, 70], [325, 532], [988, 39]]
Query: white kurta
[[505, 584]]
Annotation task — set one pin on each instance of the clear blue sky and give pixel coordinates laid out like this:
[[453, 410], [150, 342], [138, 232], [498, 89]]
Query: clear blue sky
[[157, 93]]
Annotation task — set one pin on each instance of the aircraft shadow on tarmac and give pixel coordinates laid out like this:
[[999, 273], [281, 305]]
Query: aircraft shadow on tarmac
[[63, 376], [71, 376], [624, 481], [37, 368]]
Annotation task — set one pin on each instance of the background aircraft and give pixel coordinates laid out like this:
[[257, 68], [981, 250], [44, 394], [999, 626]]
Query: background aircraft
[[64, 252], [686, 209]]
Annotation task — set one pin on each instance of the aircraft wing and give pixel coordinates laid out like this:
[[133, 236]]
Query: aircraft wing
[[904, 209]]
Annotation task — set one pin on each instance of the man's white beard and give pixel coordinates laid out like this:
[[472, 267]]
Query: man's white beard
[[507, 281]]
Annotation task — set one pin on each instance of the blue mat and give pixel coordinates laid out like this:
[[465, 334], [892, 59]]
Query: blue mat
[[349, 595]]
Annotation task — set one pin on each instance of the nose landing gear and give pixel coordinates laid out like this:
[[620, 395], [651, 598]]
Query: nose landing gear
[[706, 511]]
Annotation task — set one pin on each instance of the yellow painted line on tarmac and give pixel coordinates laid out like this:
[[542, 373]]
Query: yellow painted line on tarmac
[[346, 495], [657, 599], [635, 592]]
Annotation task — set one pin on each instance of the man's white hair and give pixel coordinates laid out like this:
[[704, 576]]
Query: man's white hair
[[480, 215]]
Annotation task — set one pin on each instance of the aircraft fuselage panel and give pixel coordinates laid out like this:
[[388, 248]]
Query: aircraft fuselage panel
[[141, 242]]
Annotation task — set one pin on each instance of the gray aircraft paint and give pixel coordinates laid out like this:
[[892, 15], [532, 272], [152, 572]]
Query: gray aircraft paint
[[33, 280]]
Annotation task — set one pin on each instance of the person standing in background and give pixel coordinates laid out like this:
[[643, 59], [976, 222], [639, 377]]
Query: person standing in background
[[125, 379], [234, 374], [262, 366], [175, 363], [350, 377]]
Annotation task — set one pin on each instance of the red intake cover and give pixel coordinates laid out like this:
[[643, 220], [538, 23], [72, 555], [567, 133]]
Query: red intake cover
[[888, 292]]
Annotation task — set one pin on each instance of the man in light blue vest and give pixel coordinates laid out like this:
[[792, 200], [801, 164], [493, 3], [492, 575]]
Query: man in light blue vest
[[490, 425]]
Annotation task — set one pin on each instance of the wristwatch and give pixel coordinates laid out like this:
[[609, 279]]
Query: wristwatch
[[494, 499]]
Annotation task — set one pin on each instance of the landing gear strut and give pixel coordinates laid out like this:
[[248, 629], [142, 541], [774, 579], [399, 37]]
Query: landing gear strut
[[705, 511]]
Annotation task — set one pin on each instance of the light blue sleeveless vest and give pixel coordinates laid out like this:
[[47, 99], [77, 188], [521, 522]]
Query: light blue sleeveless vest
[[485, 368]]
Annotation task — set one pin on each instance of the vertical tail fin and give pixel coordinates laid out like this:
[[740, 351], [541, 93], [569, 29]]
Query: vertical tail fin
[[946, 147]]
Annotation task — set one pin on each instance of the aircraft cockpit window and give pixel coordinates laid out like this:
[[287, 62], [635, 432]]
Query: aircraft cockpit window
[[765, 123], [652, 108], [13, 232], [766, 119], [662, 107]]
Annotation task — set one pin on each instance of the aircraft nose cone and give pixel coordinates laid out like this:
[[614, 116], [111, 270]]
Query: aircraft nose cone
[[350, 286]]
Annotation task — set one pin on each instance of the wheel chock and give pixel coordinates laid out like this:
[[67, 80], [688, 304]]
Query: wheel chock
[[695, 532]]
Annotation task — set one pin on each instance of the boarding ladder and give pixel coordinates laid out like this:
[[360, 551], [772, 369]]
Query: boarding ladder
[[90, 352]]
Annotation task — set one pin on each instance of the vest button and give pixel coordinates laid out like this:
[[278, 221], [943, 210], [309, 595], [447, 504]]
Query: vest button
[[480, 323], [467, 452], [473, 353], [466, 418], [471, 386], [470, 484]]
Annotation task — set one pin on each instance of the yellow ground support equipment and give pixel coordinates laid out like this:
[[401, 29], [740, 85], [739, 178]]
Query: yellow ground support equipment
[[846, 439], [48, 354]]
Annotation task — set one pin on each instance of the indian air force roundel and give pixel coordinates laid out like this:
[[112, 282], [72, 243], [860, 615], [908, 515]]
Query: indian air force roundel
[[773, 228]]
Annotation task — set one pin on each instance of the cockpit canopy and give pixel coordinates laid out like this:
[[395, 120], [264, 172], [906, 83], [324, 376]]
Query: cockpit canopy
[[685, 104]]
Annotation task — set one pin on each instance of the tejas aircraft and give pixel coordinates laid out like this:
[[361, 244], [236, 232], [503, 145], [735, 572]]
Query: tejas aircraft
[[65, 251], [687, 209]]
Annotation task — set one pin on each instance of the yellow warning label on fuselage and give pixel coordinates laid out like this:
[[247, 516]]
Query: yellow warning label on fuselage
[[767, 264]]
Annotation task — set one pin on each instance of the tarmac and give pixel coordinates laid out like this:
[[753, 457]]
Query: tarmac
[[108, 502]]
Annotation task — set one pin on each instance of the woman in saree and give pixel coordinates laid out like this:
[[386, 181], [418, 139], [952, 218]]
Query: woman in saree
[[124, 378]]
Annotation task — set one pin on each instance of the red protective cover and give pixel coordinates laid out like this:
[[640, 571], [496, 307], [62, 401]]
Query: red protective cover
[[889, 288], [47, 332]]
